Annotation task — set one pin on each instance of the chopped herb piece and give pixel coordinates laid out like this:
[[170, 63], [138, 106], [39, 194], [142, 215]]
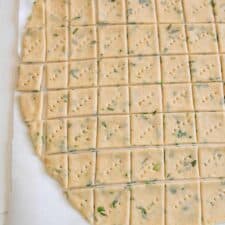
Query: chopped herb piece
[[74, 72], [75, 30], [193, 163], [110, 108], [173, 190], [101, 211], [55, 35], [154, 112], [143, 211], [156, 167], [93, 42], [104, 124], [114, 203], [181, 134], [76, 18]]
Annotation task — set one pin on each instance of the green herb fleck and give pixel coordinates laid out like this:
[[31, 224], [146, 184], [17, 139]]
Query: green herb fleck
[[193, 163], [143, 211], [75, 30], [114, 203], [110, 108], [156, 167], [101, 211], [181, 134], [104, 124]]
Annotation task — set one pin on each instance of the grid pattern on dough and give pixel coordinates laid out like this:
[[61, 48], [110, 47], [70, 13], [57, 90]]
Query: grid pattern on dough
[[126, 98]]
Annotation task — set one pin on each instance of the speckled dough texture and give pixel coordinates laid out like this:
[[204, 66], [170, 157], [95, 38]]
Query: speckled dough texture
[[124, 103]]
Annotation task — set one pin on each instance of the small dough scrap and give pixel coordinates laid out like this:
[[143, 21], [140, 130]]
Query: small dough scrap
[[82, 12], [83, 42], [83, 201], [147, 204], [141, 11], [57, 13], [177, 97], [57, 44], [37, 19], [112, 40], [56, 136], [146, 99], [112, 206], [219, 10], [208, 96], [113, 71], [57, 75], [205, 68], [212, 161], [57, 103], [31, 105], [221, 36], [37, 134], [82, 133], [81, 169], [180, 128], [111, 11], [170, 11], [147, 129], [144, 70], [142, 39], [200, 36], [181, 162], [34, 45], [200, 11], [82, 102], [113, 166], [83, 73], [183, 203], [211, 127], [113, 100], [147, 164], [172, 38], [113, 131], [57, 167], [175, 69], [30, 77], [213, 201]]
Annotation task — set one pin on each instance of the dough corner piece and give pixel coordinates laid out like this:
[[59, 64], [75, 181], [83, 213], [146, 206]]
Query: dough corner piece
[[83, 201]]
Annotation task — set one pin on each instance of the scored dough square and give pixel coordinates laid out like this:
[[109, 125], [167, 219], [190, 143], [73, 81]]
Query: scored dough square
[[213, 201], [141, 11], [57, 103], [170, 11], [205, 68], [172, 38], [183, 203], [180, 128], [221, 37], [83, 201], [177, 97], [113, 131], [82, 12], [200, 36], [35, 102], [146, 99], [200, 11], [83, 42], [147, 205], [181, 162], [34, 45], [113, 71], [81, 169], [37, 19], [56, 136], [83, 73], [147, 164], [82, 133], [57, 44], [211, 126], [112, 40], [113, 100], [219, 10], [113, 166], [175, 69], [208, 96], [212, 161], [144, 70], [57, 13], [142, 39], [30, 77], [57, 75], [82, 102], [112, 205], [57, 166], [147, 129], [111, 11]]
